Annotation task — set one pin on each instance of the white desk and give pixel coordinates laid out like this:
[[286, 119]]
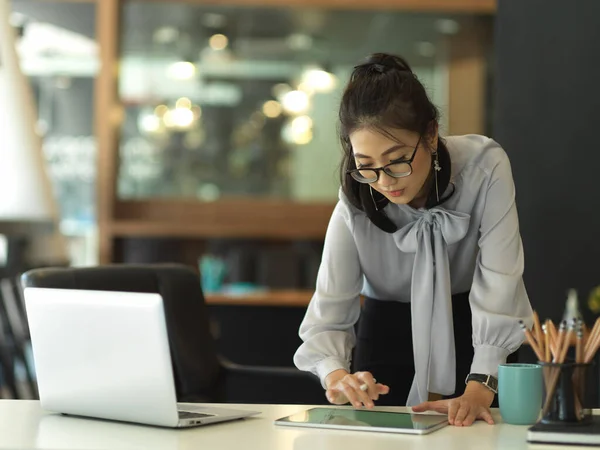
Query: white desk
[[24, 425]]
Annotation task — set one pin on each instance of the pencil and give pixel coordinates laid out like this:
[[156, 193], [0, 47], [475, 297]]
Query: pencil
[[578, 372], [537, 328], [560, 348], [553, 333], [567, 337], [593, 348], [553, 336], [559, 341], [579, 346], [531, 341], [547, 344], [592, 338]]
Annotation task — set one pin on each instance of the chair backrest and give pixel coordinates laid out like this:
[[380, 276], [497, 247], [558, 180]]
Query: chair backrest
[[195, 363]]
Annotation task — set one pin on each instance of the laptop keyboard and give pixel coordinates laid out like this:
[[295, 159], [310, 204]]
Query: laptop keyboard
[[193, 415]]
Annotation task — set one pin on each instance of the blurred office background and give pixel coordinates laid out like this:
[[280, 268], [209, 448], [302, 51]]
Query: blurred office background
[[205, 134]]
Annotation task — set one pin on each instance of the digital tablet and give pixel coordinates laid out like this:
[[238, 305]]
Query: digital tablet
[[365, 420]]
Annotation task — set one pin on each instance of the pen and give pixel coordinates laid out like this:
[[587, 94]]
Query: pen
[[365, 386]]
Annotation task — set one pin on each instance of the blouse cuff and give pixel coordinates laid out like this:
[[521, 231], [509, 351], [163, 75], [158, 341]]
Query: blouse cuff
[[328, 365], [487, 358]]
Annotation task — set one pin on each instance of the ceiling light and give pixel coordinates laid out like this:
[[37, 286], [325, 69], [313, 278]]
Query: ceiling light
[[319, 80], [161, 110], [165, 35], [279, 90], [305, 87], [149, 123], [294, 136], [181, 70], [218, 42], [425, 49], [301, 124], [183, 103], [303, 138], [299, 41], [179, 118], [447, 26], [197, 111], [295, 102], [272, 109]]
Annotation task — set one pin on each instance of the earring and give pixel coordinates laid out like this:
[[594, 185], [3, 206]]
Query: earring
[[436, 169], [373, 198]]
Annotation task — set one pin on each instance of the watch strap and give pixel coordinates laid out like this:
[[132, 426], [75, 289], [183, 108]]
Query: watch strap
[[488, 381]]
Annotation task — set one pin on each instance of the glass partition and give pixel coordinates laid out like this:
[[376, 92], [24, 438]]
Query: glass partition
[[59, 54], [242, 101]]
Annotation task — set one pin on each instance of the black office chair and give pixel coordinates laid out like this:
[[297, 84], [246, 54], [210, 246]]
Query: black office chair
[[14, 342], [201, 375]]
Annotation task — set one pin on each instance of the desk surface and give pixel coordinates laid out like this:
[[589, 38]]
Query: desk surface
[[24, 425]]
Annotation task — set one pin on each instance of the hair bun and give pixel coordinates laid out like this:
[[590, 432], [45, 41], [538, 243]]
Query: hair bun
[[383, 63]]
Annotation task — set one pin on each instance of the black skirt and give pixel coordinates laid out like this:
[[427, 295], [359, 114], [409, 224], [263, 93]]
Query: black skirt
[[384, 346]]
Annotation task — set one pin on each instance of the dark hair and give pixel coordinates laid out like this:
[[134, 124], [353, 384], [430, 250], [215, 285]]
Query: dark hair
[[384, 93]]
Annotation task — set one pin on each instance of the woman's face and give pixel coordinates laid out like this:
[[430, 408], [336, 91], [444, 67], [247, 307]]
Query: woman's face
[[374, 149]]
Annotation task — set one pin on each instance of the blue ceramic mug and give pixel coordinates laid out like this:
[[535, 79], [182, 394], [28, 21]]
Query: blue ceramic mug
[[520, 393]]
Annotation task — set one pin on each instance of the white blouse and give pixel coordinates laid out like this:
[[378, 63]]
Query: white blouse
[[470, 242]]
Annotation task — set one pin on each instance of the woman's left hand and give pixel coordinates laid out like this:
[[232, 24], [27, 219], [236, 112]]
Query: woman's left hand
[[462, 411]]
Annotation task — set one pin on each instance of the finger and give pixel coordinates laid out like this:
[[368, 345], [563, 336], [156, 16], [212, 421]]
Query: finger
[[469, 419], [369, 386], [352, 392], [440, 406], [365, 388], [462, 413], [362, 396], [421, 407], [452, 410], [382, 389], [335, 397], [487, 416]]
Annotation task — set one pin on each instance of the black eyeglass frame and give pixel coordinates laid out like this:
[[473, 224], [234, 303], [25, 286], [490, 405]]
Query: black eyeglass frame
[[354, 173]]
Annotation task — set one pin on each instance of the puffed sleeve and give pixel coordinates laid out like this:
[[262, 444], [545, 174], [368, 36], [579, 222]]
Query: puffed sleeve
[[327, 330], [498, 298]]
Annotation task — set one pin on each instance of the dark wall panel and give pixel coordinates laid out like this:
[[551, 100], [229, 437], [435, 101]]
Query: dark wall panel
[[547, 117]]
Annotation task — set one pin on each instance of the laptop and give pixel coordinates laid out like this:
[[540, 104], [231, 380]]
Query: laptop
[[106, 355]]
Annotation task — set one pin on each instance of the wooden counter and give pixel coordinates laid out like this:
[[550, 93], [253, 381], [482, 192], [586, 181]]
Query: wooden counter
[[282, 297]]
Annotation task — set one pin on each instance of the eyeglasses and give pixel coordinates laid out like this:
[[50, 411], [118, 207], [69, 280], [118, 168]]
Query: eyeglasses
[[397, 169]]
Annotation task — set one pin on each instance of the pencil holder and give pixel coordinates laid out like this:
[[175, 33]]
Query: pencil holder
[[564, 393]]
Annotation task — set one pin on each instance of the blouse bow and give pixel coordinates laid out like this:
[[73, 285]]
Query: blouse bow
[[431, 299]]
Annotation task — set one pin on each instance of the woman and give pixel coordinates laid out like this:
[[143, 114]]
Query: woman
[[426, 229]]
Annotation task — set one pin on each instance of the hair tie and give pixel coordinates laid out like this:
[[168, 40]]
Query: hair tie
[[373, 67], [379, 68]]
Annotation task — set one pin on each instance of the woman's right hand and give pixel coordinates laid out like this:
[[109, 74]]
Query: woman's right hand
[[344, 387]]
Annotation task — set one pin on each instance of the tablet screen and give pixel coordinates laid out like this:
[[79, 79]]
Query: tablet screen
[[365, 418]]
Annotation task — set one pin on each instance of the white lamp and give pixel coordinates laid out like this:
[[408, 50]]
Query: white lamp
[[27, 205]]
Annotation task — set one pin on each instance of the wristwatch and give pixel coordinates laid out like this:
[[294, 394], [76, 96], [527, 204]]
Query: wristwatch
[[488, 381]]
